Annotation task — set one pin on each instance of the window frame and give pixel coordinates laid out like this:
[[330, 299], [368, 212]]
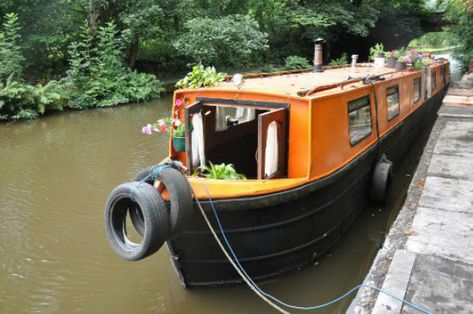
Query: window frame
[[443, 72], [419, 79], [350, 110], [398, 101], [433, 80]]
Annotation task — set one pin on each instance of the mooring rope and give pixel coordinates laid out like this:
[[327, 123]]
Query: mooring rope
[[268, 298]]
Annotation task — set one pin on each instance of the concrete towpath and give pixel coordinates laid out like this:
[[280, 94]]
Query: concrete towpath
[[427, 257]]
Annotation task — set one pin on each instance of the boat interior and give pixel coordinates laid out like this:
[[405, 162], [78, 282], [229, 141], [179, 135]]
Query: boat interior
[[238, 132]]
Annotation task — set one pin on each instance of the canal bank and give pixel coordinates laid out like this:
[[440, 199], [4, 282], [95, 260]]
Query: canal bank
[[427, 257]]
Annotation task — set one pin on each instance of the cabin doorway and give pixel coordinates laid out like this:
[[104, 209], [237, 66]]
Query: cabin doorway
[[250, 135]]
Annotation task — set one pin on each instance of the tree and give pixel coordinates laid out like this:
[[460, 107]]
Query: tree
[[11, 59], [228, 41]]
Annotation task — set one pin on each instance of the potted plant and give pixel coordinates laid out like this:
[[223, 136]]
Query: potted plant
[[174, 125], [221, 172], [401, 63], [377, 55], [179, 138], [392, 58]]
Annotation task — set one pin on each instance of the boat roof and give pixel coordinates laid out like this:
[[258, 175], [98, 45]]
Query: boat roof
[[289, 84]]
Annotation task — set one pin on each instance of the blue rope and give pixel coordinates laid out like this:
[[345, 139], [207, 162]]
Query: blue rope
[[153, 175], [305, 308]]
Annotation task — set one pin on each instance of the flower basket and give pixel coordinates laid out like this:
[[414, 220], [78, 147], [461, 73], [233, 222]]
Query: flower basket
[[391, 62], [179, 144], [400, 66]]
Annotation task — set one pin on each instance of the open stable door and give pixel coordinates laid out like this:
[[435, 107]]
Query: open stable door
[[189, 111], [272, 144]]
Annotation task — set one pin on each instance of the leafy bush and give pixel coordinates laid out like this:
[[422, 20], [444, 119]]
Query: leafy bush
[[227, 41], [222, 172], [200, 77], [98, 76], [23, 101], [268, 68], [342, 60], [296, 62]]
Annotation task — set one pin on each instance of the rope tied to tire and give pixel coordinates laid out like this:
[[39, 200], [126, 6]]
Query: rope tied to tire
[[153, 218]]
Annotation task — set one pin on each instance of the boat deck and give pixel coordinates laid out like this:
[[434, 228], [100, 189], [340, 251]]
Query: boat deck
[[290, 84]]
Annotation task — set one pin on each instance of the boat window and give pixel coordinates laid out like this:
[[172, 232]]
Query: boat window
[[230, 116], [393, 102], [359, 114], [417, 90], [434, 80]]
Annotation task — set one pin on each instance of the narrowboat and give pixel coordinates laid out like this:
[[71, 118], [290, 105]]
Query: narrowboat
[[313, 146]]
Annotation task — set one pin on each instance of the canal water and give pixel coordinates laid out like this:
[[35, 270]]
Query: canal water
[[56, 174]]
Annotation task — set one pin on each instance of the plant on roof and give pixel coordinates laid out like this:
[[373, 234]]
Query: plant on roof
[[221, 172], [201, 77], [376, 51]]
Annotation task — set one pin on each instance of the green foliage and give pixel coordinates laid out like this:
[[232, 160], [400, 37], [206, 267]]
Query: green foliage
[[433, 40], [296, 62], [19, 100], [11, 59], [376, 50], [342, 60], [201, 77], [461, 14], [222, 172], [268, 68], [98, 76], [228, 41]]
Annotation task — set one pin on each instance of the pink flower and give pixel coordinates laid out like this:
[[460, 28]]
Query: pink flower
[[412, 52], [147, 129], [179, 103], [407, 59], [176, 113]]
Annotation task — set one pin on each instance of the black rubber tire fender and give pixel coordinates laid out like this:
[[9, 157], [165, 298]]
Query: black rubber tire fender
[[180, 192], [136, 215], [380, 180], [155, 220], [181, 203]]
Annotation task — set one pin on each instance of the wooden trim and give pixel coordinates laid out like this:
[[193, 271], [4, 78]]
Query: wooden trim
[[244, 103]]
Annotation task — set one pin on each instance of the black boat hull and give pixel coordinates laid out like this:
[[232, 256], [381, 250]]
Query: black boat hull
[[281, 232]]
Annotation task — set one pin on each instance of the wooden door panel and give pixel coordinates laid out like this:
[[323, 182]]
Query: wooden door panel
[[264, 120], [188, 112]]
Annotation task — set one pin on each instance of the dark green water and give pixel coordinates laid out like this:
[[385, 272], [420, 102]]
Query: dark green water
[[56, 174]]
